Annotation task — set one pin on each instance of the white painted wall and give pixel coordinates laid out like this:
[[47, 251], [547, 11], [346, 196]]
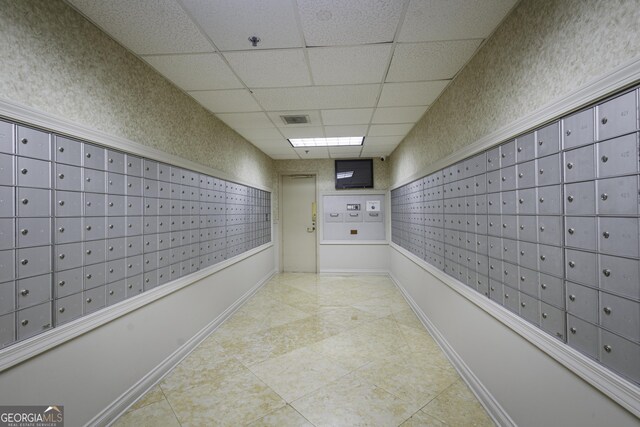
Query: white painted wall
[[533, 388], [88, 373], [353, 258]]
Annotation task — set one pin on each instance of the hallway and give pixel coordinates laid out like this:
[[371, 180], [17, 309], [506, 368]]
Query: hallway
[[311, 350]]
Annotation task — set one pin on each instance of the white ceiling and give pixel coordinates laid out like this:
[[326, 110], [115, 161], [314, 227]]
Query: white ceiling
[[355, 67]]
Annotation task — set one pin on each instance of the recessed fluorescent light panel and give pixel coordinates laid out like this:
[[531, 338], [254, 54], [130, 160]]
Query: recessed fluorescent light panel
[[326, 142]]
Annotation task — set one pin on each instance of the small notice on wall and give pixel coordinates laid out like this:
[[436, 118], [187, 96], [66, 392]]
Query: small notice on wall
[[373, 205]]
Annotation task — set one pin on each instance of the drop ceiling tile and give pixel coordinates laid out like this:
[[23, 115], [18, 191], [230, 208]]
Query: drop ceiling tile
[[230, 23], [270, 68], [344, 152], [382, 141], [309, 132], [430, 20], [146, 26], [196, 71], [264, 133], [314, 118], [412, 93], [226, 101], [246, 120], [313, 152], [374, 152], [430, 61], [336, 22], [349, 130], [349, 65], [318, 97], [398, 114], [390, 130], [353, 116]]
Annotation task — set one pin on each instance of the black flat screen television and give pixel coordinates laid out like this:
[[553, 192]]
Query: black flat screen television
[[356, 173]]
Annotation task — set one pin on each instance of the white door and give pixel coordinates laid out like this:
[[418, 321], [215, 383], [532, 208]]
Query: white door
[[298, 223]]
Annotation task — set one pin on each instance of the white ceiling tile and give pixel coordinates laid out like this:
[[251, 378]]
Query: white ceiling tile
[[196, 71], [339, 22], [390, 130], [314, 118], [146, 26], [246, 120], [382, 141], [349, 65], [348, 130], [226, 101], [430, 20], [231, 23], [270, 68], [430, 61], [411, 93], [398, 114], [264, 133], [354, 116], [309, 132], [344, 152], [313, 152], [318, 97]]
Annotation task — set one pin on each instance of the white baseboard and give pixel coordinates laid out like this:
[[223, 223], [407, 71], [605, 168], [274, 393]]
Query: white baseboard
[[493, 408], [352, 272], [129, 397]]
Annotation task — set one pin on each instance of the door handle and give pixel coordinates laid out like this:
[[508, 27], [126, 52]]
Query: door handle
[[311, 229]]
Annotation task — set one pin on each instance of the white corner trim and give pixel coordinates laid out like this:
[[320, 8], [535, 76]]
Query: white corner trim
[[492, 406], [623, 392], [33, 117], [601, 87], [109, 414], [24, 350]]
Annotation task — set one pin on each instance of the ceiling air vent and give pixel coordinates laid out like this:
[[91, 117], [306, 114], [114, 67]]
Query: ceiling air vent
[[295, 120]]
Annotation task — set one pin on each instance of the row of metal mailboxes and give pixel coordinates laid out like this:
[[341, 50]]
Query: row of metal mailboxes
[[612, 235], [35, 203], [24, 232], [353, 217], [612, 196], [34, 143], [26, 262]]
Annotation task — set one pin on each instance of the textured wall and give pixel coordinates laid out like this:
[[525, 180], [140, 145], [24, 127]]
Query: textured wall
[[543, 50], [325, 174], [56, 61]]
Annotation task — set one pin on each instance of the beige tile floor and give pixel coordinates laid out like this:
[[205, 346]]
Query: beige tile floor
[[310, 350]]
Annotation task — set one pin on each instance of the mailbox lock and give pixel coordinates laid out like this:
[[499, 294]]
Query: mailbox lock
[[61, 256], [88, 276], [569, 165], [61, 309], [604, 159], [110, 160], [542, 257], [572, 264], [521, 201], [24, 140], [89, 300], [24, 231], [605, 234], [522, 278], [25, 201], [604, 120], [24, 171], [61, 229], [607, 310], [88, 251], [604, 196], [25, 322], [24, 262], [61, 176], [110, 204], [130, 286], [520, 175], [570, 199], [541, 199], [61, 202], [543, 285], [504, 178], [88, 155], [110, 292], [541, 171], [607, 348], [571, 231], [523, 304], [61, 283], [542, 228], [24, 292], [572, 297], [545, 315], [88, 228], [606, 272]]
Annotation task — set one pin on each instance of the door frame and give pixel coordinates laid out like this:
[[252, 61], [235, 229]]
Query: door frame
[[281, 228]]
